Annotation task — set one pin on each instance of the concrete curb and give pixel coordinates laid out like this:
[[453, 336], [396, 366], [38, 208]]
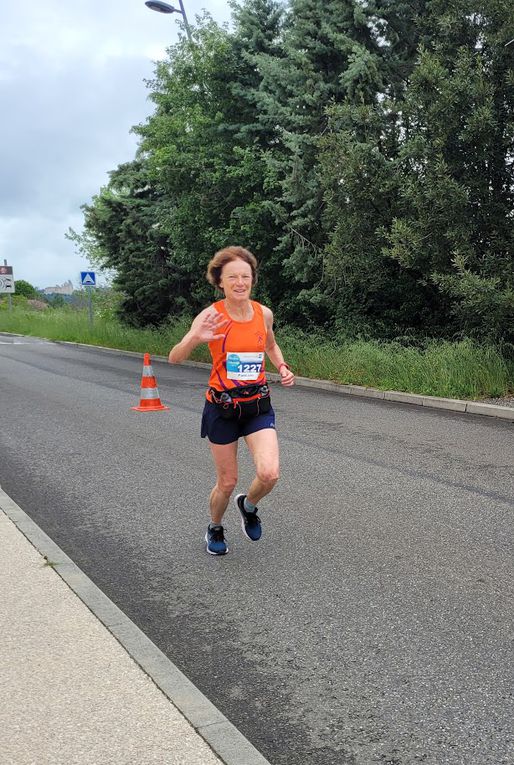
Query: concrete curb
[[220, 734], [433, 402]]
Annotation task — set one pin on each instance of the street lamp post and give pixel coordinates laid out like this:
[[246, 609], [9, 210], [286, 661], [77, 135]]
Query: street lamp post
[[160, 7]]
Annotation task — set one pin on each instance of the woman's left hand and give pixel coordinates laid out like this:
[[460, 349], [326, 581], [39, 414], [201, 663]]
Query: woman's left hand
[[287, 377]]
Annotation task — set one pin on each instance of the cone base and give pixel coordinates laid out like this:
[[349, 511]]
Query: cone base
[[159, 408]]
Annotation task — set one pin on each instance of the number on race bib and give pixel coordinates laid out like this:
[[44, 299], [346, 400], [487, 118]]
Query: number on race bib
[[244, 366]]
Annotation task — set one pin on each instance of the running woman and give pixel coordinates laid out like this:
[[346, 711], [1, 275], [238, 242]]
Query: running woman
[[239, 332]]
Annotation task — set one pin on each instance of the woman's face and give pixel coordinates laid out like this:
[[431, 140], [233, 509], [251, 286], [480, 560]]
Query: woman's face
[[236, 280]]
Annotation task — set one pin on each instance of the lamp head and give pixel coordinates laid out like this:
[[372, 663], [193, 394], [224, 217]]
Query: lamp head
[[157, 5]]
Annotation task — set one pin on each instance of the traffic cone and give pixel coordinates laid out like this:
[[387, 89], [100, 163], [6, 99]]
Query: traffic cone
[[150, 401]]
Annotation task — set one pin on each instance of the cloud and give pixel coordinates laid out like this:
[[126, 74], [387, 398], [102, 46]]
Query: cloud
[[71, 87], [39, 252]]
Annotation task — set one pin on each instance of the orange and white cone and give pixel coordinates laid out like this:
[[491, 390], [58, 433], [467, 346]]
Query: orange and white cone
[[149, 401]]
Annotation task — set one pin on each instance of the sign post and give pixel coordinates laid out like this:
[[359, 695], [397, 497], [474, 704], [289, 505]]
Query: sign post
[[88, 280], [7, 282]]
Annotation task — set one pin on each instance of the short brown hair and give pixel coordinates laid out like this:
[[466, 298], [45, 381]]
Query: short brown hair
[[226, 255]]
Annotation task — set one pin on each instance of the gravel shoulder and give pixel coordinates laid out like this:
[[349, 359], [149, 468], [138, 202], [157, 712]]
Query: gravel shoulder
[[502, 401]]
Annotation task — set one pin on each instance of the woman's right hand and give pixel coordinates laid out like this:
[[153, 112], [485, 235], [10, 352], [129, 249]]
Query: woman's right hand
[[205, 328], [207, 325]]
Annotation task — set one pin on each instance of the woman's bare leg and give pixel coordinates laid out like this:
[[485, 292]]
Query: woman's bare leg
[[225, 461], [263, 445]]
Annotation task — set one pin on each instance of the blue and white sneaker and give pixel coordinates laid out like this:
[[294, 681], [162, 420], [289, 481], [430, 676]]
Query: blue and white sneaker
[[215, 539], [250, 522]]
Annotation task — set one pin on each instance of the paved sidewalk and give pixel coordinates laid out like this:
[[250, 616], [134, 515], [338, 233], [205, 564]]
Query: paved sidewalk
[[69, 692]]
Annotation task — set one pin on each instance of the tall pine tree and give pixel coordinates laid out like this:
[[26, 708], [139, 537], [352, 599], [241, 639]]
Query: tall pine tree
[[361, 177], [327, 56], [456, 228], [419, 185], [120, 223]]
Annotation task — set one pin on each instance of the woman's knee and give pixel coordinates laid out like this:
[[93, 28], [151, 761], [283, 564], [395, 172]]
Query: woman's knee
[[268, 475], [227, 484]]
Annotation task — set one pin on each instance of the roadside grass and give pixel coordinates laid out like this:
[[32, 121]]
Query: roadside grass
[[73, 326], [461, 369]]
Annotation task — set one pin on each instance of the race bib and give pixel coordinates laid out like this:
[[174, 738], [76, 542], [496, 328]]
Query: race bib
[[244, 366]]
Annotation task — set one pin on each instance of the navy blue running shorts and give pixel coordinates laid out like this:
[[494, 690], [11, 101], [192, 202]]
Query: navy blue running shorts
[[220, 431]]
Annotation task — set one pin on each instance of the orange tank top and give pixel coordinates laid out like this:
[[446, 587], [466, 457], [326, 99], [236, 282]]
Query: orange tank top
[[238, 358]]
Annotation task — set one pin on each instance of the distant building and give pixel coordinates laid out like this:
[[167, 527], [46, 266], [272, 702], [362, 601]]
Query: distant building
[[59, 289]]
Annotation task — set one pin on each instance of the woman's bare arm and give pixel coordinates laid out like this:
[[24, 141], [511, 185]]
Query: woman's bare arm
[[274, 352], [205, 328]]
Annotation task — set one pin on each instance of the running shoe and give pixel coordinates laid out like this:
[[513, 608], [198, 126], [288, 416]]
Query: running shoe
[[215, 539], [250, 522]]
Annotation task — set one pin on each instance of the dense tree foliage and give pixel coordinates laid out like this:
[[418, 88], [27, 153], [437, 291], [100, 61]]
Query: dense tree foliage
[[420, 197], [363, 149], [26, 289], [124, 218]]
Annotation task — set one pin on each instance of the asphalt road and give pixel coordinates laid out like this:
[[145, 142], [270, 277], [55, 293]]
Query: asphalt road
[[373, 623]]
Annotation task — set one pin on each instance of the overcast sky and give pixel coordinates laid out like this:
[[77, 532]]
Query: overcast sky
[[71, 86]]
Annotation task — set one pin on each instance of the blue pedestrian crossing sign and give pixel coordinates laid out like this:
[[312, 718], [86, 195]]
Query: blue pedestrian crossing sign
[[88, 278]]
